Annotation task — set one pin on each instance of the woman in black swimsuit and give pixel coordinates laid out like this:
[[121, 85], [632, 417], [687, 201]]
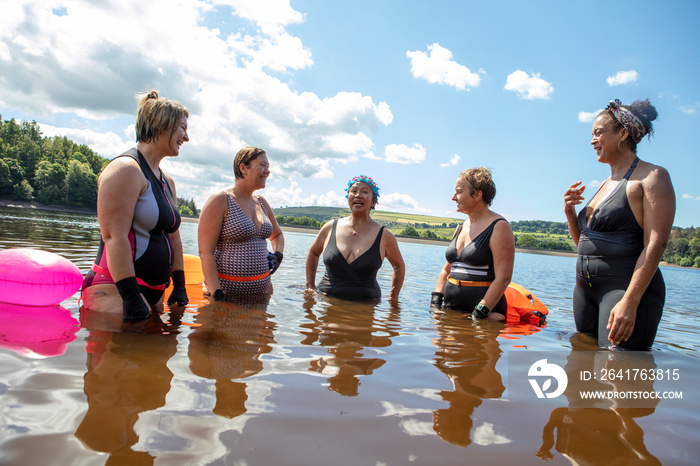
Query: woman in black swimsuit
[[480, 257], [354, 248], [621, 234]]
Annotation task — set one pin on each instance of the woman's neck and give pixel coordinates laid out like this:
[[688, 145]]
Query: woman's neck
[[359, 218], [241, 191], [478, 213], [149, 150], [619, 167]]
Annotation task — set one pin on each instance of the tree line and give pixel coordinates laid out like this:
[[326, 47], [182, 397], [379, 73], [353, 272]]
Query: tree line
[[683, 247], [51, 170]]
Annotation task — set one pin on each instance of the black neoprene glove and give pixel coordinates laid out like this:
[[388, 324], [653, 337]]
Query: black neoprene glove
[[274, 259], [133, 307], [179, 294], [436, 299]]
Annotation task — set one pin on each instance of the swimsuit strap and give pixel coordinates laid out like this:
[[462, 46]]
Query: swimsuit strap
[[631, 169]]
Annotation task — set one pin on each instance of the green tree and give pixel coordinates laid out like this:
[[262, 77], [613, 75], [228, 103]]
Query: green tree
[[50, 182], [81, 185], [5, 178], [11, 176], [23, 191], [526, 241], [409, 231], [185, 210]]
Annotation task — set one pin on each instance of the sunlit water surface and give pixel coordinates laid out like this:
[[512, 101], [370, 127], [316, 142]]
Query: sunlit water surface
[[308, 380]]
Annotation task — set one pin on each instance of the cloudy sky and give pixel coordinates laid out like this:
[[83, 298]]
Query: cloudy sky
[[407, 92]]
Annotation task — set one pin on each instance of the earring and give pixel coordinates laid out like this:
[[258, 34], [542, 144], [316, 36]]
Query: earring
[[619, 147]]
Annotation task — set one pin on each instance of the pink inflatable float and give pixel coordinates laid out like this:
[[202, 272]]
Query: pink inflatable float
[[32, 277]]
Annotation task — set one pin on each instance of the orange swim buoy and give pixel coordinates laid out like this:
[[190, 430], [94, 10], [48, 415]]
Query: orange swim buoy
[[193, 270], [523, 306]]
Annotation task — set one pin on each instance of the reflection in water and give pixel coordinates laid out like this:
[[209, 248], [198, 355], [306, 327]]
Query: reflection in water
[[21, 334], [346, 328], [127, 374], [606, 433], [226, 344], [467, 355]]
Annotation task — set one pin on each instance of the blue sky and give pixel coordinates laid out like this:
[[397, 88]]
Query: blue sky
[[407, 92]]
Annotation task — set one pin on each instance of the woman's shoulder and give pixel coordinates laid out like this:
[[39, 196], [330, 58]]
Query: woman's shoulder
[[651, 175], [122, 170], [218, 200]]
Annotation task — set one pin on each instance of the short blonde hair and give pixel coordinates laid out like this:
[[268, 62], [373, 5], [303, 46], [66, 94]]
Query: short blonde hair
[[480, 179], [156, 115]]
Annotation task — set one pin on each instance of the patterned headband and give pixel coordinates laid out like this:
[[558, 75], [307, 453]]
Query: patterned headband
[[628, 120], [364, 179]]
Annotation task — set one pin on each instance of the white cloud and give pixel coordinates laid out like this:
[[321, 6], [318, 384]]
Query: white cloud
[[401, 153], [235, 84], [594, 184], [397, 202], [690, 109], [588, 117], [294, 196], [529, 87], [690, 196], [102, 143], [622, 77], [454, 160], [437, 66]]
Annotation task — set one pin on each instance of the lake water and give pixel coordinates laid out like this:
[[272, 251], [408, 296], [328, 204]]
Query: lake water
[[306, 380]]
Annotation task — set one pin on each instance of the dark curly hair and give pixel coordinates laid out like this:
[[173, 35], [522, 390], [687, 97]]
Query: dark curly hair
[[642, 110]]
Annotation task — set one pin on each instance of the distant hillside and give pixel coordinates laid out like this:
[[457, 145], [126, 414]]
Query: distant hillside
[[528, 234]]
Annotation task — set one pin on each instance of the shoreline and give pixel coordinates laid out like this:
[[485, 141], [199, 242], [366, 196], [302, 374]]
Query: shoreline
[[33, 205]]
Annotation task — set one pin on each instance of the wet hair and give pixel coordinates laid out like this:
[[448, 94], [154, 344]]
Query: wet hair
[[245, 156], [643, 110], [156, 115], [480, 179]]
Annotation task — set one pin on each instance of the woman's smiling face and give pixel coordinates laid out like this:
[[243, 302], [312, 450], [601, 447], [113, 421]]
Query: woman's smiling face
[[360, 195]]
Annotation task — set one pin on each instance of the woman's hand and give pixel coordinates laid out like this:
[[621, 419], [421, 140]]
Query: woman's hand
[[621, 321], [573, 197]]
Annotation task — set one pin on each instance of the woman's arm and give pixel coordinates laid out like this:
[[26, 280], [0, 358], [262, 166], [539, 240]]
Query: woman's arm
[[277, 237], [393, 255], [119, 187], [445, 272], [211, 219], [502, 246], [315, 252], [178, 262], [179, 291], [573, 197], [659, 209], [442, 278]]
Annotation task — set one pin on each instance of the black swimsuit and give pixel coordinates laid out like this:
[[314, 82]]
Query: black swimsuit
[[608, 250], [356, 280], [155, 217], [475, 264]]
